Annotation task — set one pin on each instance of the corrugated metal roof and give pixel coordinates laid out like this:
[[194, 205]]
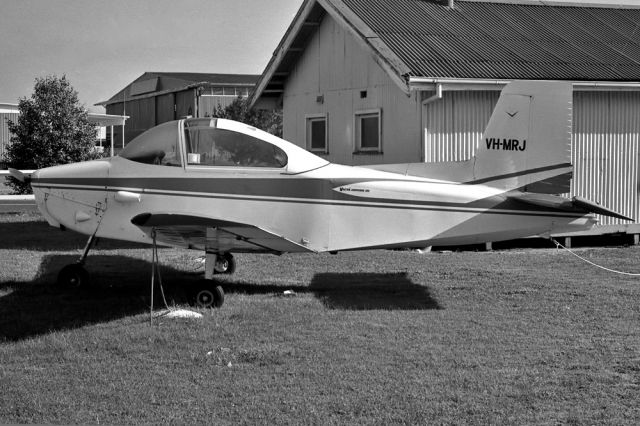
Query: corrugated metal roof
[[166, 82], [506, 41]]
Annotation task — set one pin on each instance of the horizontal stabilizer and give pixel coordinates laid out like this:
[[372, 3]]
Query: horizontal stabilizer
[[575, 204], [592, 207]]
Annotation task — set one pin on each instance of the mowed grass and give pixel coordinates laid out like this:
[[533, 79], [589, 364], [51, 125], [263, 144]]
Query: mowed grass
[[375, 337]]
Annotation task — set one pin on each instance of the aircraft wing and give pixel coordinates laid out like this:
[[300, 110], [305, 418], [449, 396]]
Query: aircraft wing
[[214, 234], [575, 204]]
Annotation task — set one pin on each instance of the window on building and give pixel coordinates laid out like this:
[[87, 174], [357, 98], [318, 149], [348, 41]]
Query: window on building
[[317, 133], [368, 135], [208, 146]]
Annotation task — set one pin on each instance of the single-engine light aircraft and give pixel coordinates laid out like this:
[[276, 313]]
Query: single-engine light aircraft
[[223, 187]]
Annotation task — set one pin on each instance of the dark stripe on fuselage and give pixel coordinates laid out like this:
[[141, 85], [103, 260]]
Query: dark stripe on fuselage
[[520, 173], [296, 190]]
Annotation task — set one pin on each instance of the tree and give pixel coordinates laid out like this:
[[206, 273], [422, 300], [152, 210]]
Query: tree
[[240, 110], [52, 128]]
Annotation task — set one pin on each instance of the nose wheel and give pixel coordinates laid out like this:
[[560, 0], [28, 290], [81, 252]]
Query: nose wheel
[[73, 276]]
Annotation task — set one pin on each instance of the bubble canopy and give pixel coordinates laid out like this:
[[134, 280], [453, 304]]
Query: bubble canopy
[[211, 142]]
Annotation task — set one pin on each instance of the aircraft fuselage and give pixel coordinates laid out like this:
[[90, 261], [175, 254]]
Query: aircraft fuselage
[[330, 208]]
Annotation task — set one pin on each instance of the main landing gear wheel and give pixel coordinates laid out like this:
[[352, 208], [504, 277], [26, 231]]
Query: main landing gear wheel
[[225, 264], [73, 276], [210, 296]]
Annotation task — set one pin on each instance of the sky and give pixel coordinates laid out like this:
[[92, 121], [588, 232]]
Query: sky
[[103, 45]]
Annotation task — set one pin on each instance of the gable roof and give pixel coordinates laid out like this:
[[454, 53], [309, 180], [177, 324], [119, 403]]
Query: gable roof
[[157, 83], [420, 39]]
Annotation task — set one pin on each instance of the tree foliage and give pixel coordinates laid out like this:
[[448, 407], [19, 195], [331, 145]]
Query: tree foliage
[[52, 128], [240, 110]]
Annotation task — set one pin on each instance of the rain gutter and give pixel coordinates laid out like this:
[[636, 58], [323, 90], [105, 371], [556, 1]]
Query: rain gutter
[[431, 84]]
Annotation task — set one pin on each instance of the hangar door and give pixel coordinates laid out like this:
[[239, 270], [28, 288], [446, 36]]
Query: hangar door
[[605, 149]]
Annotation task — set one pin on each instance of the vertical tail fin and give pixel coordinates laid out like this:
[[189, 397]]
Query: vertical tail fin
[[527, 143]]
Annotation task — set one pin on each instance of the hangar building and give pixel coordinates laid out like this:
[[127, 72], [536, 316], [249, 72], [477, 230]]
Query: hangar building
[[8, 112], [391, 81], [158, 97]]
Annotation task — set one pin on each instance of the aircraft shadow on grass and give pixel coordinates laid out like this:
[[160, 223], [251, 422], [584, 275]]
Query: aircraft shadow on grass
[[39, 236], [365, 291], [120, 287]]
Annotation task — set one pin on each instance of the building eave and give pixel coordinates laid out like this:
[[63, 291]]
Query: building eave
[[362, 33], [430, 83]]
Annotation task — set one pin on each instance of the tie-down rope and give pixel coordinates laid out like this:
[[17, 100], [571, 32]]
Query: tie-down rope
[[594, 264]]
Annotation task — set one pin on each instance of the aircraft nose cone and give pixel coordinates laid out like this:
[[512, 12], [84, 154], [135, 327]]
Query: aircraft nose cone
[[72, 195], [70, 173]]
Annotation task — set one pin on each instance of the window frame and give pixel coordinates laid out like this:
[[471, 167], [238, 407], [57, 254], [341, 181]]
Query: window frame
[[357, 132], [309, 119], [198, 166], [178, 145]]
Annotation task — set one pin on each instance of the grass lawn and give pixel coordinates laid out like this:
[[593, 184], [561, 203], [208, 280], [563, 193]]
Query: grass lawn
[[517, 336]]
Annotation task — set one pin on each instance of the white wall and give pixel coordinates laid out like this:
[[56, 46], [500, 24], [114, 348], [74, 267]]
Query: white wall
[[336, 67]]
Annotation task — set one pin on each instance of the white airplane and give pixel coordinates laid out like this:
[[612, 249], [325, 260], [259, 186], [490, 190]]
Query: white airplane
[[221, 187]]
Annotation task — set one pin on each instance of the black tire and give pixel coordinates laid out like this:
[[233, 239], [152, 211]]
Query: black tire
[[231, 263], [210, 296], [226, 264], [73, 276]]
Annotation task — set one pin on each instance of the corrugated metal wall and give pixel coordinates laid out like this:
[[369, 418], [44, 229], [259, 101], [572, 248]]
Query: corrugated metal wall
[[165, 108], [5, 135], [454, 124], [606, 135], [208, 103], [605, 145]]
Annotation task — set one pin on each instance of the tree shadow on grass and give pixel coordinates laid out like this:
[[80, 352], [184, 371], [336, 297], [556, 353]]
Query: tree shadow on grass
[[368, 291]]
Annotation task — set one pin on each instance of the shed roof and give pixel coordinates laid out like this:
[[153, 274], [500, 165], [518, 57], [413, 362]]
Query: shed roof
[[95, 118], [475, 40], [155, 83]]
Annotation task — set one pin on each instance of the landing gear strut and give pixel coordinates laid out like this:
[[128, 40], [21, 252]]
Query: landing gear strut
[[74, 275], [209, 294]]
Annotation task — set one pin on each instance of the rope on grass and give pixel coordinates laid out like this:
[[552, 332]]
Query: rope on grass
[[594, 264], [155, 270]]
